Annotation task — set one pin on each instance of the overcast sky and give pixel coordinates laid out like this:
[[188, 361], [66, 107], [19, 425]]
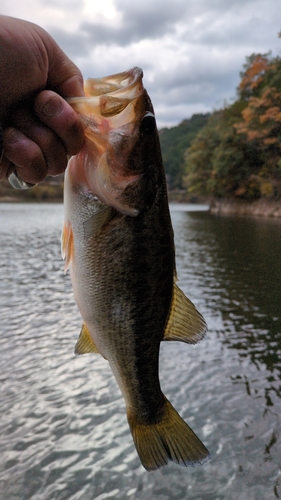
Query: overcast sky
[[191, 51]]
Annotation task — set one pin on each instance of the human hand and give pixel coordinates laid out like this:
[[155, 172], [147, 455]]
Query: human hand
[[39, 127]]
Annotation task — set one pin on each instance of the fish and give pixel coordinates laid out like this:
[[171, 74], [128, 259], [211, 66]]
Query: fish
[[118, 245]]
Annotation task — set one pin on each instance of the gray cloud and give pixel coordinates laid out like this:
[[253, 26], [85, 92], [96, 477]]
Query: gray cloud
[[191, 52], [130, 31], [77, 5], [74, 45], [139, 20]]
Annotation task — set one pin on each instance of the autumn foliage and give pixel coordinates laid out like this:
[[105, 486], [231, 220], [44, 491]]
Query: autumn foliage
[[253, 75], [238, 152]]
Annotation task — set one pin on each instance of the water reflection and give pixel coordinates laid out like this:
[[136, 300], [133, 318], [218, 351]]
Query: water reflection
[[240, 264], [252, 313], [235, 264]]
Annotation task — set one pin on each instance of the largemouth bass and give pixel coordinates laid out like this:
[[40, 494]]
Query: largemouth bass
[[118, 244]]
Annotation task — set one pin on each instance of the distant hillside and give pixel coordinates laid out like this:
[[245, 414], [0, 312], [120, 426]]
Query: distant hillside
[[237, 154], [174, 143]]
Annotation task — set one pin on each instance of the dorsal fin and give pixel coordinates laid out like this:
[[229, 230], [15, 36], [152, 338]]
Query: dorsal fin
[[185, 322], [85, 343]]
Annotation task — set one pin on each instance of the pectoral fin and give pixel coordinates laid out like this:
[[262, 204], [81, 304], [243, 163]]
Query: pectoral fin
[[67, 245], [85, 343], [185, 322], [99, 219]]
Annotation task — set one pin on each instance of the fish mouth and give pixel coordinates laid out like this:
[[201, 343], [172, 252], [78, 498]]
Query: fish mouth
[[127, 83], [110, 95], [112, 112]]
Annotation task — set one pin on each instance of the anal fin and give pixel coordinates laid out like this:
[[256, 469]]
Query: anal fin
[[85, 343], [185, 322]]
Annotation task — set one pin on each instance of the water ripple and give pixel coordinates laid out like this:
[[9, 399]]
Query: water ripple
[[63, 429]]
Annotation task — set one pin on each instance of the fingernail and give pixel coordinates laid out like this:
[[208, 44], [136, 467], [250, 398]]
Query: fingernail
[[53, 107]]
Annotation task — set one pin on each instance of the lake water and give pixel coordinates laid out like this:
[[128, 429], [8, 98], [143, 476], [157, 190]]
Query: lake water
[[63, 428]]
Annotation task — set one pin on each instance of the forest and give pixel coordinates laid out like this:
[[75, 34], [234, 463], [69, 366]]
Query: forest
[[235, 152], [174, 143]]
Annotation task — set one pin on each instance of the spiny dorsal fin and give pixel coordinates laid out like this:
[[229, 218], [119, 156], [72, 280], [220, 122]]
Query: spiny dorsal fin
[[185, 322], [85, 343]]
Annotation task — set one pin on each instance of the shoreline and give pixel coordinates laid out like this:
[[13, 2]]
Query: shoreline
[[18, 199], [258, 208]]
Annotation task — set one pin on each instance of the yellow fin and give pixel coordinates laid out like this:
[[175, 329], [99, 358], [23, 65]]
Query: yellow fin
[[67, 246], [168, 439], [185, 322], [85, 343]]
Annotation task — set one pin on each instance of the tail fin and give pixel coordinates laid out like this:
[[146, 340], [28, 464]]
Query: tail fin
[[169, 439]]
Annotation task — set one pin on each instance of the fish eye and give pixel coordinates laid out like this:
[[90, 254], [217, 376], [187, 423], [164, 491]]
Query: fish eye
[[148, 123]]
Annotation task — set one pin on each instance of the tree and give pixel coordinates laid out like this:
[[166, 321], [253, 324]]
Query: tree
[[174, 142], [218, 163], [253, 75], [261, 127], [238, 152]]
